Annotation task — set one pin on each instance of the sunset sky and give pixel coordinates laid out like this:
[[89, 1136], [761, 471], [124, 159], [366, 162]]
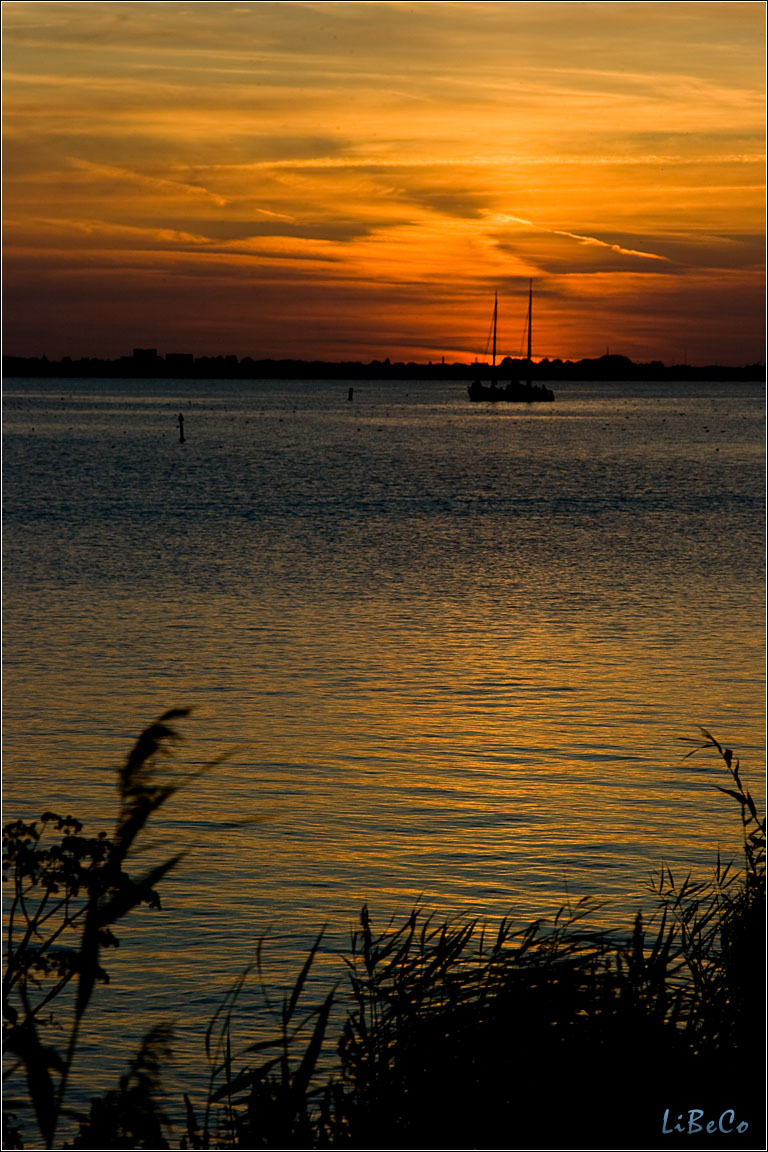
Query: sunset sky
[[355, 180]]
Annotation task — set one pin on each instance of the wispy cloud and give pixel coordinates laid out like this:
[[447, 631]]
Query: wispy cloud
[[503, 218], [375, 154], [276, 215], [162, 183]]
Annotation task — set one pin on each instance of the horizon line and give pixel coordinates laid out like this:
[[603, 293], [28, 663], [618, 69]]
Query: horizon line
[[147, 355]]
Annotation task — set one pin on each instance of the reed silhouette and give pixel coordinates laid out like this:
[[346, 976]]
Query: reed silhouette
[[439, 1034], [67, 893]]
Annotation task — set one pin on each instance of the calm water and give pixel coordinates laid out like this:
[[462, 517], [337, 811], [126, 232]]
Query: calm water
[[449, 647]]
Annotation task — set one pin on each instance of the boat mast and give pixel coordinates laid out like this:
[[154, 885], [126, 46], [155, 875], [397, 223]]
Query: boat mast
[[495, 316], [530, 312]]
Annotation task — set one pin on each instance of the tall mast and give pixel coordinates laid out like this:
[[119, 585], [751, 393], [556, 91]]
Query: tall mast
[[530, 313], [495, 315]]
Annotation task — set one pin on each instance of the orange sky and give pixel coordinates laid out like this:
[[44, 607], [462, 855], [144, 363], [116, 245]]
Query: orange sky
[[350, 181]]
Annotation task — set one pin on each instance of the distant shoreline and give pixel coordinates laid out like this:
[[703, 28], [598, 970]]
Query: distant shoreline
[[147, 364]]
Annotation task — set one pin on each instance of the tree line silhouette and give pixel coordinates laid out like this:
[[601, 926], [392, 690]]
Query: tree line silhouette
[[147, 364]]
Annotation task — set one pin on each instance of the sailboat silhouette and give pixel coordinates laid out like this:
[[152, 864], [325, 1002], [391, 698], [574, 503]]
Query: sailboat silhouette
[[516, 392]]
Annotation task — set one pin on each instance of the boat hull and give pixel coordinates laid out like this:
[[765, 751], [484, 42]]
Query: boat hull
[[516, 392]]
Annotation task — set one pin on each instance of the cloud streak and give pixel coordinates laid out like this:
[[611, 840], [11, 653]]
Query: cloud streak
[[383, 168], [503, 218], [161, 183]]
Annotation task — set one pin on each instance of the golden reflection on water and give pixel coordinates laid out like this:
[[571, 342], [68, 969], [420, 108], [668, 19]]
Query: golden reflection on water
[[489, 739], [489, 773], [391, 760]]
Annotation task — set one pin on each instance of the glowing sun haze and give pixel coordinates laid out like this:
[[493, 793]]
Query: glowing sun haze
[[355, 180]]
